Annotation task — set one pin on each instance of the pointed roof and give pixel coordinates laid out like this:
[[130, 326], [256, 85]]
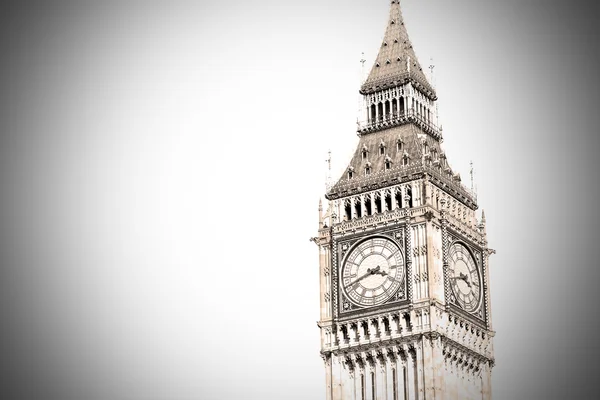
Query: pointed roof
[[396, 62]]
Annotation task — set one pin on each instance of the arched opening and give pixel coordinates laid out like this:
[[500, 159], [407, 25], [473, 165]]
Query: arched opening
[[373, 114], [378, 204], [394, 108], [387, 109], [348, 211], [380, 109], [410, 196], [388, 201], [357, 208], [368, 207], [401, 105], [399, 198]]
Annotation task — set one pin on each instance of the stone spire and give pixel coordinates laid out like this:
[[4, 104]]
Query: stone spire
[[396, 62]]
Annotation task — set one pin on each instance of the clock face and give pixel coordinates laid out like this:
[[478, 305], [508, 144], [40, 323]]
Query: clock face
[[372, 272], [465, 279]]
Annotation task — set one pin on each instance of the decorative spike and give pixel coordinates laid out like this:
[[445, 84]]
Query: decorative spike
[[320, 214]]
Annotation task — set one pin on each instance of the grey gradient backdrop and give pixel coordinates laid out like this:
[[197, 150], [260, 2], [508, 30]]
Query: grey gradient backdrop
[[161, 165]]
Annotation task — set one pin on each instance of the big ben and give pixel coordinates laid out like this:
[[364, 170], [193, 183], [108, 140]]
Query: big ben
[[403, 253]]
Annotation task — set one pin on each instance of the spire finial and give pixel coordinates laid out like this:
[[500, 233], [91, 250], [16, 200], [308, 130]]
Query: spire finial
[[471, 172], [328, 178], [362, 69], [431, 67]]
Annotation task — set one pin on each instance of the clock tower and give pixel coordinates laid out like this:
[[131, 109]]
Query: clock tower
[[403, 255]]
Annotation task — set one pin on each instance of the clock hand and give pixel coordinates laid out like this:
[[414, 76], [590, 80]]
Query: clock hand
[[465, 278], [462, 277], [369, 272]]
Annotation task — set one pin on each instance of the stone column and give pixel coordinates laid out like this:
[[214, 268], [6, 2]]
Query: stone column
[[340, 335], [336, 390], [381, 376], [419, 369], [411, 375], [381, 325], [347, 382], [402, 323], [327, 361], [486, 381], [372, 200], [408, 253], [445, 245], [373, 325], [354, 332], [428, 367]]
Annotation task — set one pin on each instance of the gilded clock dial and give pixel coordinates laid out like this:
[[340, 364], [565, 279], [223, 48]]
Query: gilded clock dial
[[372, 272], [465, 279]]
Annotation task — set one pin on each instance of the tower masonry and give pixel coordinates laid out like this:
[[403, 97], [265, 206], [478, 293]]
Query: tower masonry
[[403, 257]]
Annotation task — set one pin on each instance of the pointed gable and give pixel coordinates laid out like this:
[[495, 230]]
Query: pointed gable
[[396, 62]]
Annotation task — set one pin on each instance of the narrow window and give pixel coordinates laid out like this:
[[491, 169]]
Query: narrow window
[[373, 386], [373, 113], [394, 384], [400, 145], [399, 198], [378, 204], [388, 202], [405, 378], [350, 174], [348, 211], [357, 209], [405, 161], [368, 208], [410, 197], [364, 154], [363, 392], [380, 109], [367, 170], [381, 149], [388, 165], [416, 377]]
